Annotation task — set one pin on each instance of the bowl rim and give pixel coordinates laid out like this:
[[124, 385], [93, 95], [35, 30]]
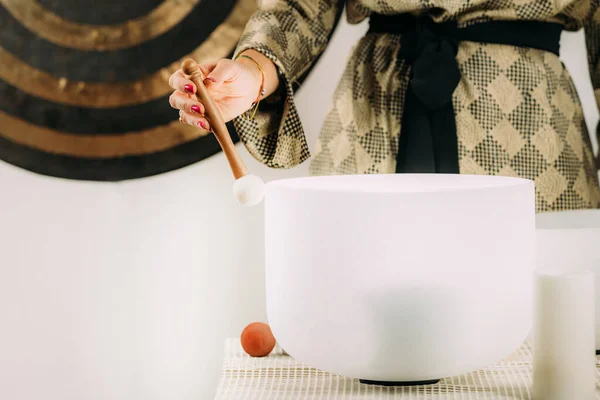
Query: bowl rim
[[547, 221], [502, 182]]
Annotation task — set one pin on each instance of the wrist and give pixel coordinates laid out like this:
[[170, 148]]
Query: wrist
[[269, 69], [255, 71], [261, 91]]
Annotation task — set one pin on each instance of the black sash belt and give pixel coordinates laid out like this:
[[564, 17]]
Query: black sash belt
[[428, 142]]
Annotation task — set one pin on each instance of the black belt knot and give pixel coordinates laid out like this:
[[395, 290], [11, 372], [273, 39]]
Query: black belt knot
[[428, 141], [432, 54]]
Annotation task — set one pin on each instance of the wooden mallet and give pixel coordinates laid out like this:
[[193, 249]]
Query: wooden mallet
[[248, 189]]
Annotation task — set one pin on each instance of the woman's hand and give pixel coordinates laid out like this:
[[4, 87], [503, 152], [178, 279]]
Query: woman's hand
[[233, 85]]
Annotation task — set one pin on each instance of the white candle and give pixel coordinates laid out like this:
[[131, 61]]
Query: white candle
[[564, 361]]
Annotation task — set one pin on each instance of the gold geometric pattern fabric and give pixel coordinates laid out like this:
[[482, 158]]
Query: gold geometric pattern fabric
[[522, 117], [517, 110]]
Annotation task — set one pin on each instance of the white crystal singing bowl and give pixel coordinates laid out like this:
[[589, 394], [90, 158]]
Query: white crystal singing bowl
[[571, 239], [400, 279]]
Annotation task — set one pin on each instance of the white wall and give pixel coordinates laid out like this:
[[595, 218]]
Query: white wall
[[574, 55], [184, 220]]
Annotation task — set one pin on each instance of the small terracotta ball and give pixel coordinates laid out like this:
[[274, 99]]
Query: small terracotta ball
[[258, 340]]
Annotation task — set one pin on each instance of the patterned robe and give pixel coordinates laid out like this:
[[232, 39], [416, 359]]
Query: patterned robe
[[517, 110]]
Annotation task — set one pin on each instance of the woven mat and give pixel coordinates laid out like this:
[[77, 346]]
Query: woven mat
[[280, 377]]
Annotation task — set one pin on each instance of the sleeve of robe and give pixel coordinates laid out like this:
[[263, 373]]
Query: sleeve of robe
[[293, 34], [592, 33]]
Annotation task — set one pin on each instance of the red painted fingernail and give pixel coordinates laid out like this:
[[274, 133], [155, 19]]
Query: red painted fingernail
[[188, 88], [201, 124], [196, 109]]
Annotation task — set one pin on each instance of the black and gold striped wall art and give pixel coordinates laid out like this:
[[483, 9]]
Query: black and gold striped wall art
[[84, 84]]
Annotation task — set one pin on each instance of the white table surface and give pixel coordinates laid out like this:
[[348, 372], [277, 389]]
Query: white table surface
[[280, 377]]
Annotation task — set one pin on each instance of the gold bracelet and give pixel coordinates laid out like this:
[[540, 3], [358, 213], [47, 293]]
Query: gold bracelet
[[262, 87]]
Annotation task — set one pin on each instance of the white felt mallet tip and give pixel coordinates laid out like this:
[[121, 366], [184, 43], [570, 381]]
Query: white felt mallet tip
[[249, 190]]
